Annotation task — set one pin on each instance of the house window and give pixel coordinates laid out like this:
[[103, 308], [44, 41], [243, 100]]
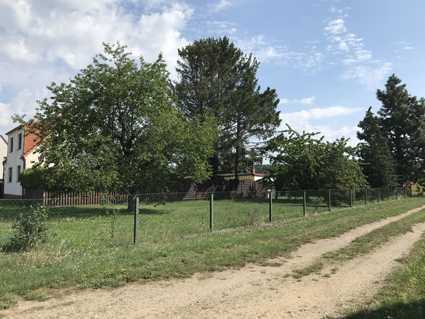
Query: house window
[[20, 141], [11, 144], [19, 174], [10, 174]]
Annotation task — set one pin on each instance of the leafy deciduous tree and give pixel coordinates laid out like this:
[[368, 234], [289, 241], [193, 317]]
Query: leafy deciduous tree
[[116, 126], [307, 161]]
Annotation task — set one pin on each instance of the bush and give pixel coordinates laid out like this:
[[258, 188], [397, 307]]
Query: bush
[[34, 178], [29, 229]]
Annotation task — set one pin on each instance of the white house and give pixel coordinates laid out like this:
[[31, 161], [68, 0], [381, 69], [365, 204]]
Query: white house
[[21, 154], [3, 154]]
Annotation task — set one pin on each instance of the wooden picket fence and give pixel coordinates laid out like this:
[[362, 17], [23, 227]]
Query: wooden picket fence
[[82, 199]]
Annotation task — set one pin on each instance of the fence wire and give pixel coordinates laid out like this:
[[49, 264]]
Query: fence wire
[[172, 216]]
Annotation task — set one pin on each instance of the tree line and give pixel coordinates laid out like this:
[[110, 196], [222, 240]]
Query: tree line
[[122, 124], [392, 141]]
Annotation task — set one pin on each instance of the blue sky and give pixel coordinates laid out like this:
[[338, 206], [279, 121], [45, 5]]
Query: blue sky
[[326, 58]]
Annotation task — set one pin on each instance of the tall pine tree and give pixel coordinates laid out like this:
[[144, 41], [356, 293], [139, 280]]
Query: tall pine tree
[[416, 123], [394, 116], [376, 158], [398, 130], [217, 79]]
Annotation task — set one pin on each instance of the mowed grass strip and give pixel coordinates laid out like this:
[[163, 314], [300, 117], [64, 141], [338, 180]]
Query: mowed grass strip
[[403, 296], [81, 252], [364, 244]]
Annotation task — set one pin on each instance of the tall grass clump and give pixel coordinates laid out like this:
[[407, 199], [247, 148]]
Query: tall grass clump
[[29, 229]]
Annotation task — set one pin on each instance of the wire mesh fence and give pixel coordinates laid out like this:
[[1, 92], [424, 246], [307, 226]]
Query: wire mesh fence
[[169, 216]]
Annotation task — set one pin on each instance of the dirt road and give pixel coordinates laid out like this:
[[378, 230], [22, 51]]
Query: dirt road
[[251, 292]]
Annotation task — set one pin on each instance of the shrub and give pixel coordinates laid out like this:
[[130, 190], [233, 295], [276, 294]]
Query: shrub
[[29, 229], [34, 178]]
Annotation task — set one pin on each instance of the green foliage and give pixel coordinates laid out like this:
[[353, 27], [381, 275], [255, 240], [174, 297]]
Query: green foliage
[[217, 79], [394, 117], [34, 178], [376, 158], [393, 141], [306, 161], [115, 127], [415, 189], [29, 229]]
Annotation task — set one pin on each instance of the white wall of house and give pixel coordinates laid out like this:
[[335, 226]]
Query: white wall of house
[[31, 158], [14, 163], [3, 154]]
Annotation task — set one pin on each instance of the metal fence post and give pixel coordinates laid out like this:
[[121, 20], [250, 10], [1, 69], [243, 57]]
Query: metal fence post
[[365, 196], [270, 205], [304, 203], [211, 211], [329, 199], [135, 219]]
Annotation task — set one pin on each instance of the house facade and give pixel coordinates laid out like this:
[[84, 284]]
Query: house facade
[[21, 155], [3, 154]]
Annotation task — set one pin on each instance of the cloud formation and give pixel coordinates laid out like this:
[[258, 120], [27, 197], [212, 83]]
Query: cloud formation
[[221, 5], [51, 40], [317, 119], [308, 58], [308, 101], [358, 62]]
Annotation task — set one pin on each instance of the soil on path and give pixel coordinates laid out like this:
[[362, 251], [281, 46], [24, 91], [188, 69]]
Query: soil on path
[[250, 292]]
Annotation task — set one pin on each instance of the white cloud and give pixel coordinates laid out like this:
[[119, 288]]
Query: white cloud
[[405, 46], [332, 133], [220, 27], [6, 113], [318, 120], [308, 101], [18, 51], [221, 5], [357, 61], [50, 40], [319, 113], [307, 59], [371, 76], [262, 50], [336, 27]]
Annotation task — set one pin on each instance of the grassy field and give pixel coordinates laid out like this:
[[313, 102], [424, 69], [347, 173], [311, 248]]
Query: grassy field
[[163, 222], [91, 247], [403, 297]]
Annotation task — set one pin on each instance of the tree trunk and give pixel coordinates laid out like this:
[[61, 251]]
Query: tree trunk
[[237, 162], [238, 149], [131, 203]]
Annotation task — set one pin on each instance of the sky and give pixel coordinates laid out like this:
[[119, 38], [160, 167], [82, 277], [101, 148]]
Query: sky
[[325, 58]]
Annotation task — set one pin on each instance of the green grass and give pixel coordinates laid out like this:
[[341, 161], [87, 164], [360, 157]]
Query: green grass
[[173, 242], [364, 244], [403, 296]]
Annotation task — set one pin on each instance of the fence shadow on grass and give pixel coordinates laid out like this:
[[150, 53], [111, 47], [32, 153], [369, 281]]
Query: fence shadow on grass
[[99, 211], [85, 212], [10, 213], [9, 210], [151, 211], [395, 311]]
